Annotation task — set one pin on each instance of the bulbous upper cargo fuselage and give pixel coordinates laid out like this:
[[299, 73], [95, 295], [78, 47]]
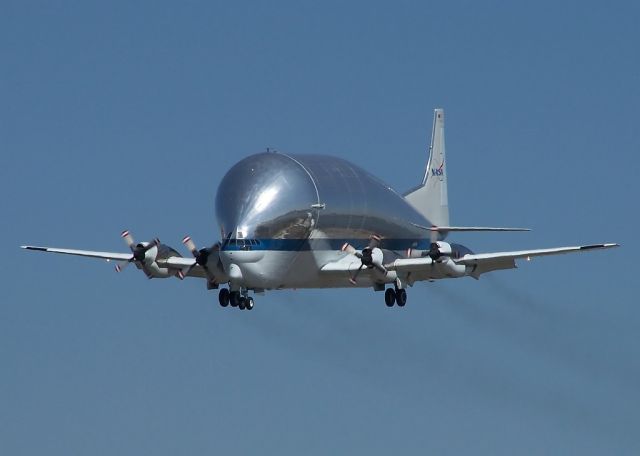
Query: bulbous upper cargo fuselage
[[288, 197]]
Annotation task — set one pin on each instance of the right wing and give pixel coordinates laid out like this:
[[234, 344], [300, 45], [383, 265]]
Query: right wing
[[85, 253], [187, 266]]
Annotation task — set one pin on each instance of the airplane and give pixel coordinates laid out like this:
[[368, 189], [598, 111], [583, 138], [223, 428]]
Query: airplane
[[317, 221]]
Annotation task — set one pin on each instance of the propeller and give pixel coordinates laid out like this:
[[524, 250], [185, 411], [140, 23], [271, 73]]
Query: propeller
[[201, 256], [434, 251], [438, 251], [437, 248], [366, 256], [138, 251]]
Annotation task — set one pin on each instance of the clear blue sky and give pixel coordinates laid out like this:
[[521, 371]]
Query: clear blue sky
[[127, 114]]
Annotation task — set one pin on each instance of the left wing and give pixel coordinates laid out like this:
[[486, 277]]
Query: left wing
[[485, 262], [474, 265]]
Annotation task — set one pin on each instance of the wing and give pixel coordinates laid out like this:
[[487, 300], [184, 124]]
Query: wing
[[84, 253], [188, 266], [485, 262], [475, 265], [179, 266]]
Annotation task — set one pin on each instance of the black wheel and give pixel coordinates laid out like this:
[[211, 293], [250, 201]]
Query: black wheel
[[234, 298], [241, 303], [223, 297], [389, 297], [248, 303], [401, 297]]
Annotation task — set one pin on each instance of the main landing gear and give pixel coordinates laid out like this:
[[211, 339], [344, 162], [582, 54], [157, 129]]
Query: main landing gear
[[235, 298], [395, 296]]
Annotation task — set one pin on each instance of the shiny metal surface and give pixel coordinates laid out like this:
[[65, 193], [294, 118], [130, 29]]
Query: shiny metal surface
[[358, 204], [266, 196], [278, 196]]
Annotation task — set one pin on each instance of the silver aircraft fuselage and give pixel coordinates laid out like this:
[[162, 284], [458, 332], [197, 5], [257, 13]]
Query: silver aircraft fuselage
[[284, 216]]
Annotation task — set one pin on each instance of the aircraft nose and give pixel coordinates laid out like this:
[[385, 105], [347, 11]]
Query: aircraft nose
[[240, 256], [266, 196]]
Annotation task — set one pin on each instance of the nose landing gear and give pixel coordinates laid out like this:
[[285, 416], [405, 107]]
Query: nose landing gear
[[235, 299]]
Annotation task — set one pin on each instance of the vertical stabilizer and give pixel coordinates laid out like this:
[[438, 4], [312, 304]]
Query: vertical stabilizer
[[430, 198]]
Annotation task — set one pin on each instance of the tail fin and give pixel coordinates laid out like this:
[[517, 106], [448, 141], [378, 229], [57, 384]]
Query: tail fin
[[430, 198]]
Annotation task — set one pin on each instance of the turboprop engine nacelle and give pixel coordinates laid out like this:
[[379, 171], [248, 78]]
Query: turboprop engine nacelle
[[438, 250], [416, 253], [448, 268], [145, 255], [150, 266]]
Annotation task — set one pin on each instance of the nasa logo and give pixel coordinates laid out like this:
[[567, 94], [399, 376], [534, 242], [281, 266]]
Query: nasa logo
[[439, 171]]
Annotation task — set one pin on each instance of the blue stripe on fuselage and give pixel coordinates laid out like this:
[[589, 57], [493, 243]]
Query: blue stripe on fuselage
[[294, 245]]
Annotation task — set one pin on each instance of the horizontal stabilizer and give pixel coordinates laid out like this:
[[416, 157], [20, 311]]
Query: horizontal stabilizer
[[441, 232], [446, 229]]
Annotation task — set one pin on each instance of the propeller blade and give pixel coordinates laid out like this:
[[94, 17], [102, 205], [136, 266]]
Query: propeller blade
[[121, 265], [380, 268], [201, 256], [190, 245], [128, 239], [353, 278], [155, 242], [374, 241], [351, 249], [434, 251], [184, 272]]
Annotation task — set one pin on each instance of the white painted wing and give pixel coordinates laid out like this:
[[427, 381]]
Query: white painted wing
[[84, 253], [409, 264], [176, 262], [188, 266], [485, 262]]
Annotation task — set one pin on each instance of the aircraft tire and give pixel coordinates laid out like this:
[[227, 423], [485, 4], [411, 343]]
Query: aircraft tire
[[401, 297], [241, 303], [223, 297], [389, 297], [234, 298], [248, 303]]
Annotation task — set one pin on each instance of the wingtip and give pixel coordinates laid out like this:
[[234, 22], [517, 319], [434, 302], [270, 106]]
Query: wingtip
[[599, 246], [33, 247]]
